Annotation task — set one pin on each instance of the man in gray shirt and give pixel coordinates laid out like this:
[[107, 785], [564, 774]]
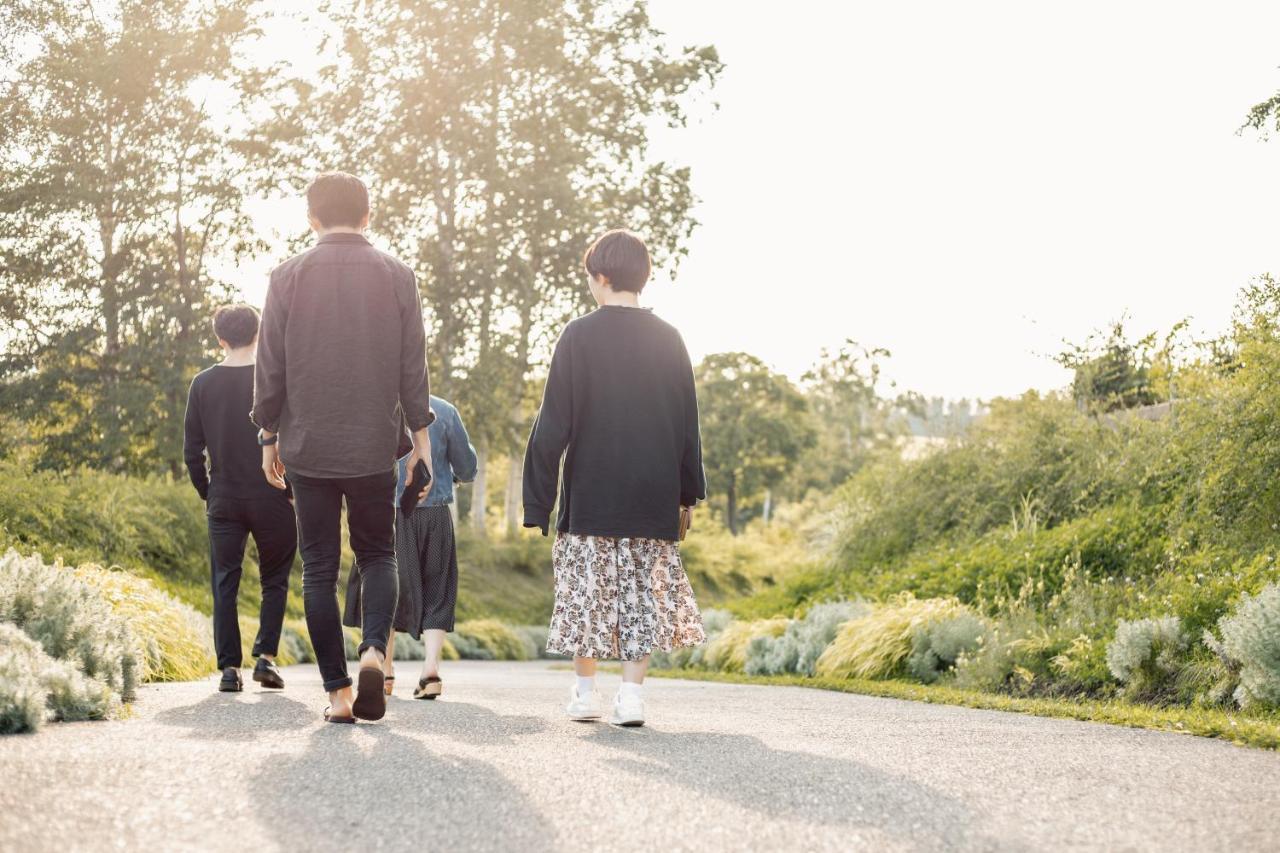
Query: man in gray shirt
[[341, 353]]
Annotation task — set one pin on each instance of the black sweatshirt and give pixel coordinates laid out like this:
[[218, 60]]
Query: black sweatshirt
[[218, 420], [621, 409], [341, 350]]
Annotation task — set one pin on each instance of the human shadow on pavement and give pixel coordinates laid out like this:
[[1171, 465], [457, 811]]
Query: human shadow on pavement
[[227, 716], [464, 722], [369, 786], [800, 785]]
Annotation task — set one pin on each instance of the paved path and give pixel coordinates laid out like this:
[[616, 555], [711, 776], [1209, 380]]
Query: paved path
[[494, 766]]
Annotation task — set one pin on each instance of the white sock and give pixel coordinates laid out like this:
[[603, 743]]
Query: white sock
[[586, 686], [631, 690]]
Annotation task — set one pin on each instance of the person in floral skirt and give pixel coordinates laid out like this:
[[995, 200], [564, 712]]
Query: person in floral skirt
[[620, 414]]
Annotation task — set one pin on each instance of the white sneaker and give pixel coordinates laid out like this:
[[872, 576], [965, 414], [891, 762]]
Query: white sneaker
[[627, 710], [583, 707]]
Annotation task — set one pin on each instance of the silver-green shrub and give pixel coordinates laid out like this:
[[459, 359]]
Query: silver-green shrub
[[71, 621], [802, 643], [535, 637], [1251, 637], [937, 644], [22, 707], [1144, 654], [35, 686]]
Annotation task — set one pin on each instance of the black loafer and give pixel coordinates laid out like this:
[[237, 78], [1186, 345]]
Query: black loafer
[[268, 674], [230, 682]]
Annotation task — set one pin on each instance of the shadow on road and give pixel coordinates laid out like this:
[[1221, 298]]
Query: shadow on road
[[369, 787], [798, 785], [464, 722], [228, 716]]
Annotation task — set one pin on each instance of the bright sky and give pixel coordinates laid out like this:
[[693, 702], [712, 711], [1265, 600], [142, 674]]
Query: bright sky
[[967, 184]]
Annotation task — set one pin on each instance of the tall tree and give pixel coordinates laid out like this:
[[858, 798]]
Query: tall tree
[[501, 135], [124, 167], [755, 424]]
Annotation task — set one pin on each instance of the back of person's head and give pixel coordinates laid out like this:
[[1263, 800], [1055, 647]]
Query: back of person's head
[[338, 200], [236, 324], [621, 257]]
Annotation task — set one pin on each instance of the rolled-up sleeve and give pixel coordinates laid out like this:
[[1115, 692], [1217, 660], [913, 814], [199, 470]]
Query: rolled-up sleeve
[[415, 387], [269, 365]]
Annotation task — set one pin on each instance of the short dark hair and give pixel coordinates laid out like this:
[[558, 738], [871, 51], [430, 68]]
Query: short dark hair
[[620, 256], [236, 324], [337, 199]]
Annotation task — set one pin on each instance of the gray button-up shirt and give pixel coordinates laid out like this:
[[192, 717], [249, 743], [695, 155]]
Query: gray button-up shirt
[[341, 349]]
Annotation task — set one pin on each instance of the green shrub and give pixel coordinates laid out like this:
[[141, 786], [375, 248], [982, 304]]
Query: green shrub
[[938, 643], [489, 639], [1145, 654], [798, 648], [1251, 637], [877, 645]]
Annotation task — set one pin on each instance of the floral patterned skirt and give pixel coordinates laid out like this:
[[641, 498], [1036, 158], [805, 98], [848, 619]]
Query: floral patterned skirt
[[620, 598]]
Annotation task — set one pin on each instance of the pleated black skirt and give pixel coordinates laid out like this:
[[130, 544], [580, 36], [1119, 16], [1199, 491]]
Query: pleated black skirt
[[427, 557]]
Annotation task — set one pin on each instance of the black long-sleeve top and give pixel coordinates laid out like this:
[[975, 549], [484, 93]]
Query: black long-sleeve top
[[620, 408], [341, 350], [217, 421]]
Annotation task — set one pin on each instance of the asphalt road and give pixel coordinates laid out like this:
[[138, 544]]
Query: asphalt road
[[495, 766]]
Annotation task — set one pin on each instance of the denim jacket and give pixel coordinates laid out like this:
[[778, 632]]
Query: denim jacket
[[453, 459]]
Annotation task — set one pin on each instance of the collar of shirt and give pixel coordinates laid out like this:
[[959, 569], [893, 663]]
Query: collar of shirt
[[342, 237]]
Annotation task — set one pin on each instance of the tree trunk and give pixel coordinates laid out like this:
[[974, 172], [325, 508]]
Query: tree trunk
[[731, 505], [768, 505], [514, 472], [478, 488]]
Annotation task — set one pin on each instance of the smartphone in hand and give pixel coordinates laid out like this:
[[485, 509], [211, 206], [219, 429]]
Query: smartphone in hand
[[421, 479]]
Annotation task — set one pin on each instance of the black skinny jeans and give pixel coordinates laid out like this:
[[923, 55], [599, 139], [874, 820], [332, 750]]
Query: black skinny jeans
[[371, 517], [232, 521]]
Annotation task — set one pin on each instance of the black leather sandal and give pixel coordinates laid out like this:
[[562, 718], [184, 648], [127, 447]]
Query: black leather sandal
[[371, 702]]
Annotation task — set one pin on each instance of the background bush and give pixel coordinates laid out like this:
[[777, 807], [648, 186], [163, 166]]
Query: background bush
[[878, 644], [798, 648], [1251, 639]]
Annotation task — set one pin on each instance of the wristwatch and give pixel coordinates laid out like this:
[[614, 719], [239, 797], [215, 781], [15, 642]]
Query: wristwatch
[[264, 442]]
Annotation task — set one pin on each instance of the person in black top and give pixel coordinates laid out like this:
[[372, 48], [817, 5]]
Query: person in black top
[[620, 412], [239, 502]]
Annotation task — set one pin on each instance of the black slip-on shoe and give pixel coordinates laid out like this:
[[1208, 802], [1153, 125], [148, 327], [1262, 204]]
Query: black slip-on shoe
[[268, 674], [230, 682]]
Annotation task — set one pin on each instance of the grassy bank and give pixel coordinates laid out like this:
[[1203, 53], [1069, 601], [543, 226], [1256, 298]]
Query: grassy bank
[[1262, 731]]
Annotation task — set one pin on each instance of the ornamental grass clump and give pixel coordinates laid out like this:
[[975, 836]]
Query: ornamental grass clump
[[1145, 654], [177, 640], [878, 645], [1251, 640], [798, 648]]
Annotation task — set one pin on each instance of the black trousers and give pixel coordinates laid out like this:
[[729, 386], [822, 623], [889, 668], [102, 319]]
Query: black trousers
[[271, 523], [371, 524]]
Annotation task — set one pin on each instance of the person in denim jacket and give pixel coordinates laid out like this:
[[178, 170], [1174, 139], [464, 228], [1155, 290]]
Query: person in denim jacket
[[426, 552]]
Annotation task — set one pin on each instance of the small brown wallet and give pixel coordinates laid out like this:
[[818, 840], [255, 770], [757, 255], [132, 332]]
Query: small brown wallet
[[686, 521]]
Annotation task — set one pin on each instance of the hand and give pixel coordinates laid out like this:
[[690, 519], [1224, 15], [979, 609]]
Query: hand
[[272, 467], [411, 466]]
